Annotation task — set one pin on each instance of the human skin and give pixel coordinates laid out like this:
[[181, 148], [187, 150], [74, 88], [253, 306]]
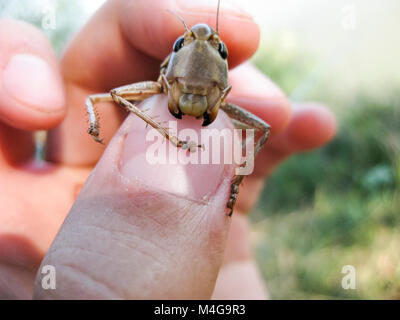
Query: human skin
[[128, 234]]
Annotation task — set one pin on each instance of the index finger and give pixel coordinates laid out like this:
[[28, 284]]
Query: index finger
[[126, 40], [123, 43]]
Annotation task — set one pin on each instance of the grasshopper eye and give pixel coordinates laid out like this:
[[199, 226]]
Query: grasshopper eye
[[223, 51], [178, 44]]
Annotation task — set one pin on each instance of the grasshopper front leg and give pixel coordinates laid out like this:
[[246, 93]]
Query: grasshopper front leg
[[136, 91], [242, 116], [122, 96], [94, 126]]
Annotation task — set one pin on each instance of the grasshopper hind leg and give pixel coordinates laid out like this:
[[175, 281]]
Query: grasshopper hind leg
[[234, 193], [243, 118]]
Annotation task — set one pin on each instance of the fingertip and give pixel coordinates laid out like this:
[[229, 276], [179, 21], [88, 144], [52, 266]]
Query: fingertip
[[313, 125], [236, 28], [32, 95], [173, 175], [31, 89]]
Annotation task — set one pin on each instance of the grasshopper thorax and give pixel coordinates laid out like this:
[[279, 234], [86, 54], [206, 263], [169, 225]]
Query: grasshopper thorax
[[197, 74]]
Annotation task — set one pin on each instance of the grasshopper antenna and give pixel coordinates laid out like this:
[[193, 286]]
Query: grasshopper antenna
[[219, 1], [180, 18]]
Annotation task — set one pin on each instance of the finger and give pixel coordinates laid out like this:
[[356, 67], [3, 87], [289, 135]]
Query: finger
[[31, 91], [162, 228], [240, 281], [311, 126], [126, 40], [254, 91], [16, 146], [239, 277], [124, 43]]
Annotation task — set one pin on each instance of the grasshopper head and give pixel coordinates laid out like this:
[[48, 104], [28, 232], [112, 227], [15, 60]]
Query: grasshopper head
[[197, 74]]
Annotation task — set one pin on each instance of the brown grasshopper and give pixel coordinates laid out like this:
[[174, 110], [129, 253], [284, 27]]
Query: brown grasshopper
[[195, 78]]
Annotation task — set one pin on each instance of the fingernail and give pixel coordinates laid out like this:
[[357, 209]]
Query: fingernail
[[30, 80], [193, 181], [231, 7]]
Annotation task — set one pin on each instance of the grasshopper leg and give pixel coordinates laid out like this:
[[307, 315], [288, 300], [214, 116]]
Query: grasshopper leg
[[94, 126], [136, 91], [242, 116], [122, 96], [189, 145], [141, 91]]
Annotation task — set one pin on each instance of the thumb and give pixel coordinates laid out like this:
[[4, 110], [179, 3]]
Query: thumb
[[143, 231]]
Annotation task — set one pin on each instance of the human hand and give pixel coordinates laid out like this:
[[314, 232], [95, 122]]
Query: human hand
[[126, 236]]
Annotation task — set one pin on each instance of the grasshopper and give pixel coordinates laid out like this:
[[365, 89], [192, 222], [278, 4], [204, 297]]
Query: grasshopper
[[195, 78]]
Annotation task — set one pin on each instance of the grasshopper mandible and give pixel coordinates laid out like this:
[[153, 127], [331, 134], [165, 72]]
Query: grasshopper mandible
[[195, 78]]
